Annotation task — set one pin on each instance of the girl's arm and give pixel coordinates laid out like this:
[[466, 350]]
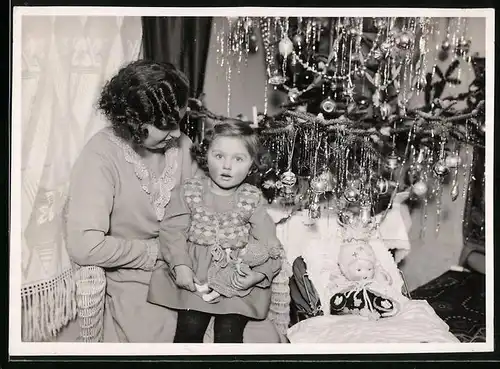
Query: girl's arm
[[91, 197]]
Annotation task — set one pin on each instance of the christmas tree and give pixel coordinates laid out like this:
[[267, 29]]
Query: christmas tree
[[350, 130]]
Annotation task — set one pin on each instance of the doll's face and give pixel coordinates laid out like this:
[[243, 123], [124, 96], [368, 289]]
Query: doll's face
[[361, 270]]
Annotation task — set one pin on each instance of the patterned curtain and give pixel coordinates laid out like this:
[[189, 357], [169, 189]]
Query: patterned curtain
[[65, 61]]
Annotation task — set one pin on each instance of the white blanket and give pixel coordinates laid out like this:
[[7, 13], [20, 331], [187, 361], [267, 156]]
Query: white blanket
[[416, 323]]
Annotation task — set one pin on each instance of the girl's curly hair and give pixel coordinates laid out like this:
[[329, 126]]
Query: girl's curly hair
[[144, 92], [234, 128]]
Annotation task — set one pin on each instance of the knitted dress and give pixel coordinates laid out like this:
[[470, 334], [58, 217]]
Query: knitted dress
[[199, 232]]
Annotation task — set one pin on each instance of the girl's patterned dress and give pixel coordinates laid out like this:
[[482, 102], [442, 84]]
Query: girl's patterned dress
[[208, 232]]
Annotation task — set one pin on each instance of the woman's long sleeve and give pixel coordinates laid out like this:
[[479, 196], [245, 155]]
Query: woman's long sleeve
[[173, 232], [263, 230], [90, 203]]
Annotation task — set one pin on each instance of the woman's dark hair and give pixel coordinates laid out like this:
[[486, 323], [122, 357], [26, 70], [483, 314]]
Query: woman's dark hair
[[233, 128], [144, 92]]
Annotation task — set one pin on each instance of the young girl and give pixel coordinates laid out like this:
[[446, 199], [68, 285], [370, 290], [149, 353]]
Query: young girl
[[214, 221]]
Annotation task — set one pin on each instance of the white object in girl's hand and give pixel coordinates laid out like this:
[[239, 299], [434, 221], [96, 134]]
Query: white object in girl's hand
[[202, 288]]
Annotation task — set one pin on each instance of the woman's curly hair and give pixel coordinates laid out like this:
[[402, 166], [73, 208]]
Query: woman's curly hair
[[144, 92], [234, 128]]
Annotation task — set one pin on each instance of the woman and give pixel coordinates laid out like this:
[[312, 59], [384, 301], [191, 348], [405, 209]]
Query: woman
[[120, 187]]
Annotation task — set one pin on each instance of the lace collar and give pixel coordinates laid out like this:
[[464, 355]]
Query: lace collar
[[158, 189]]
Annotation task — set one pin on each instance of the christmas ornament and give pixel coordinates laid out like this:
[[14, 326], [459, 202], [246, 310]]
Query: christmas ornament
[[482, 128], [463, 46], [346, 217], [360, 72], [354, 31], [385, 47], [454, 191], [404, 40], [315, 208], [452, 161], [414, 172], [445, 46], [377, 54], [318, 185], [328, 105], [293, 94], [392, 161], [380, 23], [298, 40], [289, 179], [253, 44], [419, 188], [351, 107], [270, 185], [402, 110], [377, 98], [385, 110], [276, 79], [419, 82], [382, 186], [365, 214], [329, 178], [351, 194], [285, 47], [440, 168], [248, 23]]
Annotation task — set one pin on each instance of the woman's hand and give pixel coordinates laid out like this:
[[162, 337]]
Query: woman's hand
[[185, 278], [244, 279]]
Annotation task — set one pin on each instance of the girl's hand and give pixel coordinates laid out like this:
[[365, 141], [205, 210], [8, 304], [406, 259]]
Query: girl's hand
[[185, 278], [243, 280]]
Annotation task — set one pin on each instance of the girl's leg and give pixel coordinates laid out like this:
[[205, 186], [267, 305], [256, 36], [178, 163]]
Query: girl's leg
[[228, 328], [191, 326]]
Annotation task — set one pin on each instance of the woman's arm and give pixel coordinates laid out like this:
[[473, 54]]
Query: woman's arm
[[173, 231], [91, 197]]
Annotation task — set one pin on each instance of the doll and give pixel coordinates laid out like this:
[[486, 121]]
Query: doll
[[358, 263], [233, 261], [363, 283]]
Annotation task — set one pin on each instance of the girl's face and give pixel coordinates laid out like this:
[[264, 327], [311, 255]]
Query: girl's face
[[228, 162]]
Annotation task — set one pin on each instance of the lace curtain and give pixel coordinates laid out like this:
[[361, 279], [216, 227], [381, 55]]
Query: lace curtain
[[65, 61]]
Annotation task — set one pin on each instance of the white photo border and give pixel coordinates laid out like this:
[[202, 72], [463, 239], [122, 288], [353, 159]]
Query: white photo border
[[19, 348]]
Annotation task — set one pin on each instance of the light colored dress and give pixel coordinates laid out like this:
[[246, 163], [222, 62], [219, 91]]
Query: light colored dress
[[217, 223], [114, 213]]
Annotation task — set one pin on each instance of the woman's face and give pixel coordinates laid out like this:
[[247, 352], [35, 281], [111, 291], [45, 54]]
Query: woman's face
[[228, 162], [158, 139]]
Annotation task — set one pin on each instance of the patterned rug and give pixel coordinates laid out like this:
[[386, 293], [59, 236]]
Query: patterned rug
[[459, 299]]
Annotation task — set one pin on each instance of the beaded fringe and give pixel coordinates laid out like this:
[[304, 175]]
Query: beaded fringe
[[47, 307], [90, 298]]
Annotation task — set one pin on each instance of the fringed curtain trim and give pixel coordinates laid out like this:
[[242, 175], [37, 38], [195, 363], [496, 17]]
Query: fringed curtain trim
[[47, 307]]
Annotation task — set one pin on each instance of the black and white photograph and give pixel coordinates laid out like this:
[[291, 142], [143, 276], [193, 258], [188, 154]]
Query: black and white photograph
[[156, 151]]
